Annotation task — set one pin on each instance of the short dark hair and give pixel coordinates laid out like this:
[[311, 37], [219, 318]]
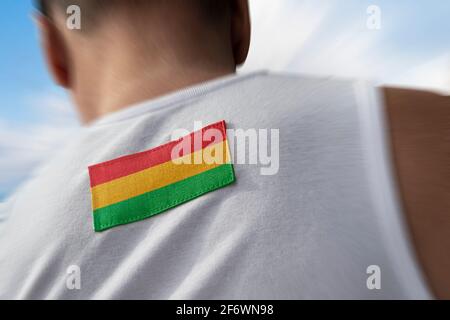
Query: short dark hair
[[44, 6], [41, 6], [212, 8]]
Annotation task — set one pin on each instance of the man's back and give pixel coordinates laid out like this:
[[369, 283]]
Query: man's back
[[310, 226]]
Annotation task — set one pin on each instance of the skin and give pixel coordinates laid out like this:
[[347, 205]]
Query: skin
[[105, 74], [419, 124]]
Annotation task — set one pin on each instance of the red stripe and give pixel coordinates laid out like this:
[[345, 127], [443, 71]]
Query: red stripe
[[124, 166]]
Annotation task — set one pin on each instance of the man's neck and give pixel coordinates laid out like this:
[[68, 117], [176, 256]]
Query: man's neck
[[116, 93], [113, 73], [121, 93]]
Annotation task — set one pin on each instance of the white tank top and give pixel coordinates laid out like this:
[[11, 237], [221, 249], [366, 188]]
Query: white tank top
[[324, 223]]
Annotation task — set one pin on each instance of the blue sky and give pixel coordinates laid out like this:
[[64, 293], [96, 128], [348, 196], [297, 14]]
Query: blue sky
[[35, 116], [325, 37], [22, 67]]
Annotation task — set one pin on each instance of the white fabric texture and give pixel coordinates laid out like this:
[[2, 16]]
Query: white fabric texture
[[308, 232]]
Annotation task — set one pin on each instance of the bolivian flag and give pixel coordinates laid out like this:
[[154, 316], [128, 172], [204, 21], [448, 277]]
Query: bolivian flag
[[138, 186]]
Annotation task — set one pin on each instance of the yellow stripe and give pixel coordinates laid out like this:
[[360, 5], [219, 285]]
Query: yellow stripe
[[157, 177]]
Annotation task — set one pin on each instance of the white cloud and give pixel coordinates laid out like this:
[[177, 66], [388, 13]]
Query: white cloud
[[280, 28], [53, 107], [312, 37], [433, 75], [23, 146]]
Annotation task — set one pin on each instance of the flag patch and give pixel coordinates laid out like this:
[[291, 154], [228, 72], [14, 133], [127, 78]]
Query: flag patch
[[139, 186]]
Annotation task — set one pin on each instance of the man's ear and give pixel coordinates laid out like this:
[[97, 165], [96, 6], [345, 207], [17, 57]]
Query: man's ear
[[54, 50], [240, 30]]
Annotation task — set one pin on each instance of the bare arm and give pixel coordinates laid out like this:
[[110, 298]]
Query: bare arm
[[419, 124]]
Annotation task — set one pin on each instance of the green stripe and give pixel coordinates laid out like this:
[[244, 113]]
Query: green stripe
[[158, 201]]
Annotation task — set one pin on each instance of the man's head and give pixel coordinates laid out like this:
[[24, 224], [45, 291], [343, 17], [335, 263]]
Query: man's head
[[126, 41]]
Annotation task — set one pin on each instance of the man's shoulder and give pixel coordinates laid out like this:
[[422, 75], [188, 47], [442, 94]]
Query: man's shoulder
[[284, 89], [419, 125], [298, 83], [283, 96]]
